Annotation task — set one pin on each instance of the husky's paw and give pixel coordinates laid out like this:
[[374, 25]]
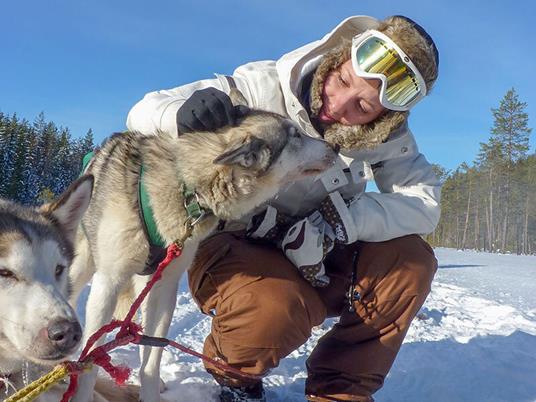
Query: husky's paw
[[163, 387]]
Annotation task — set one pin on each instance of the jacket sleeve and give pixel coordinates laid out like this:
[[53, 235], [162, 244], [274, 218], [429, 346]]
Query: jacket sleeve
[[158, 110], [408, 202]]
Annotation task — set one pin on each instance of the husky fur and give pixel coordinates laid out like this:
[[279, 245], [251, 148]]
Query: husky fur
[[232, 171], [38, 327]]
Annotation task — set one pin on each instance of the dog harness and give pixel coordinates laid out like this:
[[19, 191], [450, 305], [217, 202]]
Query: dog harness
[[157, 245]]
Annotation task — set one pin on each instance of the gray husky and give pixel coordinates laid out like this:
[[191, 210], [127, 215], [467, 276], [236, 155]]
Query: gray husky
[[227, 173], [38, 327]]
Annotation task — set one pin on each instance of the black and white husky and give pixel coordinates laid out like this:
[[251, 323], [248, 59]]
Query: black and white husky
[[38, 327]]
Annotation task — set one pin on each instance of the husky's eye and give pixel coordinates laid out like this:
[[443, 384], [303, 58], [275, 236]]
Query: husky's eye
[[59, 270], [7, 274]]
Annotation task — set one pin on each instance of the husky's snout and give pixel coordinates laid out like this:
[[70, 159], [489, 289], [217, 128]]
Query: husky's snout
[[56, 340], [318, 155], [64, 335]]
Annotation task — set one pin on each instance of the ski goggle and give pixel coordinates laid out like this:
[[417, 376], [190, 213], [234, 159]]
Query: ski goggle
[[375, 55]]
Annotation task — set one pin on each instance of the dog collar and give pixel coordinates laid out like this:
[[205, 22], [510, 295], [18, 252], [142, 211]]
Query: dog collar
[[191, 204]]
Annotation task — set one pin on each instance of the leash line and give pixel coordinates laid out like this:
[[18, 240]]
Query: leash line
[[163, 342]]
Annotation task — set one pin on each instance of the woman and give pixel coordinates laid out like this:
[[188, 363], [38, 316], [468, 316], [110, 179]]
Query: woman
[[359, 254]]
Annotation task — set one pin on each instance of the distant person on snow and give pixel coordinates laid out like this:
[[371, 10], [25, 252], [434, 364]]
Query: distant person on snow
[[323, 247]]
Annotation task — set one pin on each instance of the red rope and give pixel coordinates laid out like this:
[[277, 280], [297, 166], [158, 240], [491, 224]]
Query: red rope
[[130, 332], [224, 367], [73, 384]]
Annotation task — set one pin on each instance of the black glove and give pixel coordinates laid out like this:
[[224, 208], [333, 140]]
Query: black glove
[[207, 110]]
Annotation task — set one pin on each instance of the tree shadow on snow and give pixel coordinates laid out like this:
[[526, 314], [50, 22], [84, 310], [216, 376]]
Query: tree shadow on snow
[[491, 368], [448, 266]]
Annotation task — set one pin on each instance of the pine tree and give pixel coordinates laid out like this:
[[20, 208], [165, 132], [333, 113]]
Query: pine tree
[[489, 205], [81, 148], [510, 128], [440, 172], [62, 162], [88, 142], [489, 162], [33, 174], [17, 187], [30, 177], [38, 160], [511, 134], [3, 148], [529, 219], [9, 155], [47, 144]]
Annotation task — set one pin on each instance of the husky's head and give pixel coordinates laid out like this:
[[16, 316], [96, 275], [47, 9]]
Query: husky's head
[[36, 250], [242, 166]]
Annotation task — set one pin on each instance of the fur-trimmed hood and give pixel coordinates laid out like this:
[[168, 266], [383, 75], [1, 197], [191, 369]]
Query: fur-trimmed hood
[[293, 66], [323, 56], [350, 137]]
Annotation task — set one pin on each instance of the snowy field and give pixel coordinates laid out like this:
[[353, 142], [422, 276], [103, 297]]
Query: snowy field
[[474, 340]]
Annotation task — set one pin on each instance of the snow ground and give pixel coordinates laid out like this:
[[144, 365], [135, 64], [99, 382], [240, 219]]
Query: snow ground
[[475, 340]]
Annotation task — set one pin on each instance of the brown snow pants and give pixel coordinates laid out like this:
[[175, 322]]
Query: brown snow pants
[[263, 310]]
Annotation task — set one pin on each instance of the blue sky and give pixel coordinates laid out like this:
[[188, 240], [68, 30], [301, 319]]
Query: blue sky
[[86, 63]]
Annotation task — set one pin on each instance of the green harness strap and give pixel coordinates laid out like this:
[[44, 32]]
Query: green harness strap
[[148, 215], [85, 161], [191, 204]]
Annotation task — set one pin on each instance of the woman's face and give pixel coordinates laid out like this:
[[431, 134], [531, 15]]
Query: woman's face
[[350, 99]]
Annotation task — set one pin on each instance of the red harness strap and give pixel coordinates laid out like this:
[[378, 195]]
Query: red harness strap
[[130, 332]]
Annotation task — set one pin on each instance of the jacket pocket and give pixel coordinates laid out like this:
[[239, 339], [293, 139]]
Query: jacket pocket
[[224, 264], [209, 253]]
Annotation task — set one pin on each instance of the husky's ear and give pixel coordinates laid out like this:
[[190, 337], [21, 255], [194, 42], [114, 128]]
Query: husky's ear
[[237, 98], [69, 208], [246, 154]]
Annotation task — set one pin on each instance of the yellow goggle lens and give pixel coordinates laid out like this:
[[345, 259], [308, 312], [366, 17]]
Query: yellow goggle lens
[[375, 56]]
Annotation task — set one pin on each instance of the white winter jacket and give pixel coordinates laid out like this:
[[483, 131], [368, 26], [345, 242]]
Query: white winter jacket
[[410, 192]]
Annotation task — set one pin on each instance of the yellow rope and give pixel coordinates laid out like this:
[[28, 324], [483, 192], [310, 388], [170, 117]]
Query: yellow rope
[[39, 386]]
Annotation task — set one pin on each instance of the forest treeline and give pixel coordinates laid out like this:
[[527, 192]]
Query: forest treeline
[[38, 160], [489, 204]]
